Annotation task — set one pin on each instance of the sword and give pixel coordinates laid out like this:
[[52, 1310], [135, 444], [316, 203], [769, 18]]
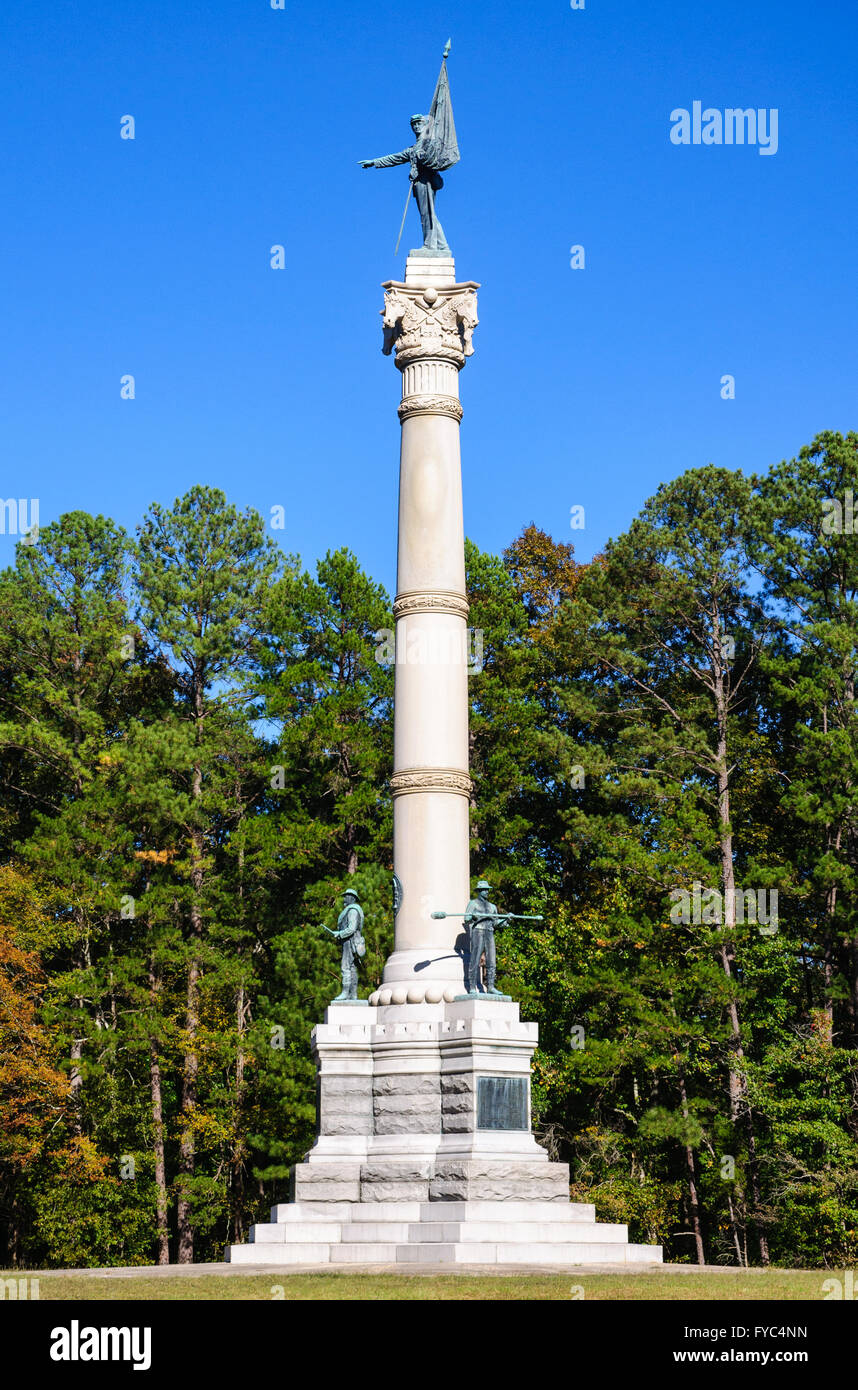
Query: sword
[[402, 227]]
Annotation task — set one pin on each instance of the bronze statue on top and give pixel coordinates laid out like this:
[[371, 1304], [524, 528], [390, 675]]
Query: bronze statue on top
[[435, 148]]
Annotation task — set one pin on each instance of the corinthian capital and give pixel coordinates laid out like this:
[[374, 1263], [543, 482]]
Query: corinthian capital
[[437, 321]]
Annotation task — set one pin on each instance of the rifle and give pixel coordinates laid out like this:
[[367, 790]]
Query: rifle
[[498, 917]]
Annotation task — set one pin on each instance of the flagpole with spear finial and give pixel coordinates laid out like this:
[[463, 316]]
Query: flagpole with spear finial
[[447, 46]]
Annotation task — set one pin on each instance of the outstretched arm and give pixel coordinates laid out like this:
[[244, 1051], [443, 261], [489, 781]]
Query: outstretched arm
[[388, 160]]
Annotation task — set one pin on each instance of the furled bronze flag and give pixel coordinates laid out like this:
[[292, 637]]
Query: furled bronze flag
[[437, 147]]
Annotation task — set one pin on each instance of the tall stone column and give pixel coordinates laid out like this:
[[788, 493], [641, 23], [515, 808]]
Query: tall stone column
[[424, 1150], [429, 320]]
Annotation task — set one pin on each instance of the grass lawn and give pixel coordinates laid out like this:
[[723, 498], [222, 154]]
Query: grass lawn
[[670, 1286]]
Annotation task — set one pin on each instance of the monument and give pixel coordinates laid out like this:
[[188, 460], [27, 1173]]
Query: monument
[[424, 1152]]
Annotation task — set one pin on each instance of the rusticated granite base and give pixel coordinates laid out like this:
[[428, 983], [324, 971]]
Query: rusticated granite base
[[424, 1154]]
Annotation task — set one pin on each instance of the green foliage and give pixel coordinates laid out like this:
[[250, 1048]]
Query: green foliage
[[86, 1216], [196, 742]]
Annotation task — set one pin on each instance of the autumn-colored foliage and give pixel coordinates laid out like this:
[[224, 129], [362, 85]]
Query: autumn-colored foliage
[[33, 1091]]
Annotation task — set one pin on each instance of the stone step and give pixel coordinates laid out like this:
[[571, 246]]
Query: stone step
[[299, 1231], [570, 1253], [454, 1232], [432, 1232], [526, 1253], [555, 1212], [345, 1211], [374, 1232], [508, 1211], [644, 1254], [514, 1232], [299, 1253], [373, 1252]]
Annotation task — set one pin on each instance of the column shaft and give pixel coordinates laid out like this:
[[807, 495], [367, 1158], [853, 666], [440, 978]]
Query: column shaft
[[431, 785]]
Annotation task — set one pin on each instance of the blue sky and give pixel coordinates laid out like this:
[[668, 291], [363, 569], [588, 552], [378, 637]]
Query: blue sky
[[587, 387]]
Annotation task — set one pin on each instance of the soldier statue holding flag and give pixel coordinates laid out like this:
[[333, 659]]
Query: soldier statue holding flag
[[435, 148]]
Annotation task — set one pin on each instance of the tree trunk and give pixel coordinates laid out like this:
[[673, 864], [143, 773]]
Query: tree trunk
[[76, 1046], [754, 1175], [737, 1088], [728, 878], [692, 1182], [185, 1252], [76, 1079], [163, 1235], [734, 1227], [190, 1071], [238, 1173]]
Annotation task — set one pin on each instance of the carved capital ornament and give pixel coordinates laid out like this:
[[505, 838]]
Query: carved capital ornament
[[429, 322]]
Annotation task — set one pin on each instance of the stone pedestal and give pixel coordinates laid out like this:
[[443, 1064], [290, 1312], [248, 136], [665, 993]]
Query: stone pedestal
[[424, 1153], [425, 1102], [430, 270]]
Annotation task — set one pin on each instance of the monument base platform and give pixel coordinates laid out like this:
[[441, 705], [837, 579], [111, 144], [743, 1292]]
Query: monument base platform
[[424, 1152], [439, 1233]]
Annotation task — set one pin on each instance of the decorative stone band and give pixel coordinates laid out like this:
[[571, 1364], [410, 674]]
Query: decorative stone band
[[435, 349], [429, 405], [436, 779], [432, 992], [439, 601]]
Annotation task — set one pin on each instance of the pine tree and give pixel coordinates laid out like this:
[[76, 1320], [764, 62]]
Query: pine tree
[[329, 688], [668, 637], [70, 685], [203, 570], [805, 549]]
